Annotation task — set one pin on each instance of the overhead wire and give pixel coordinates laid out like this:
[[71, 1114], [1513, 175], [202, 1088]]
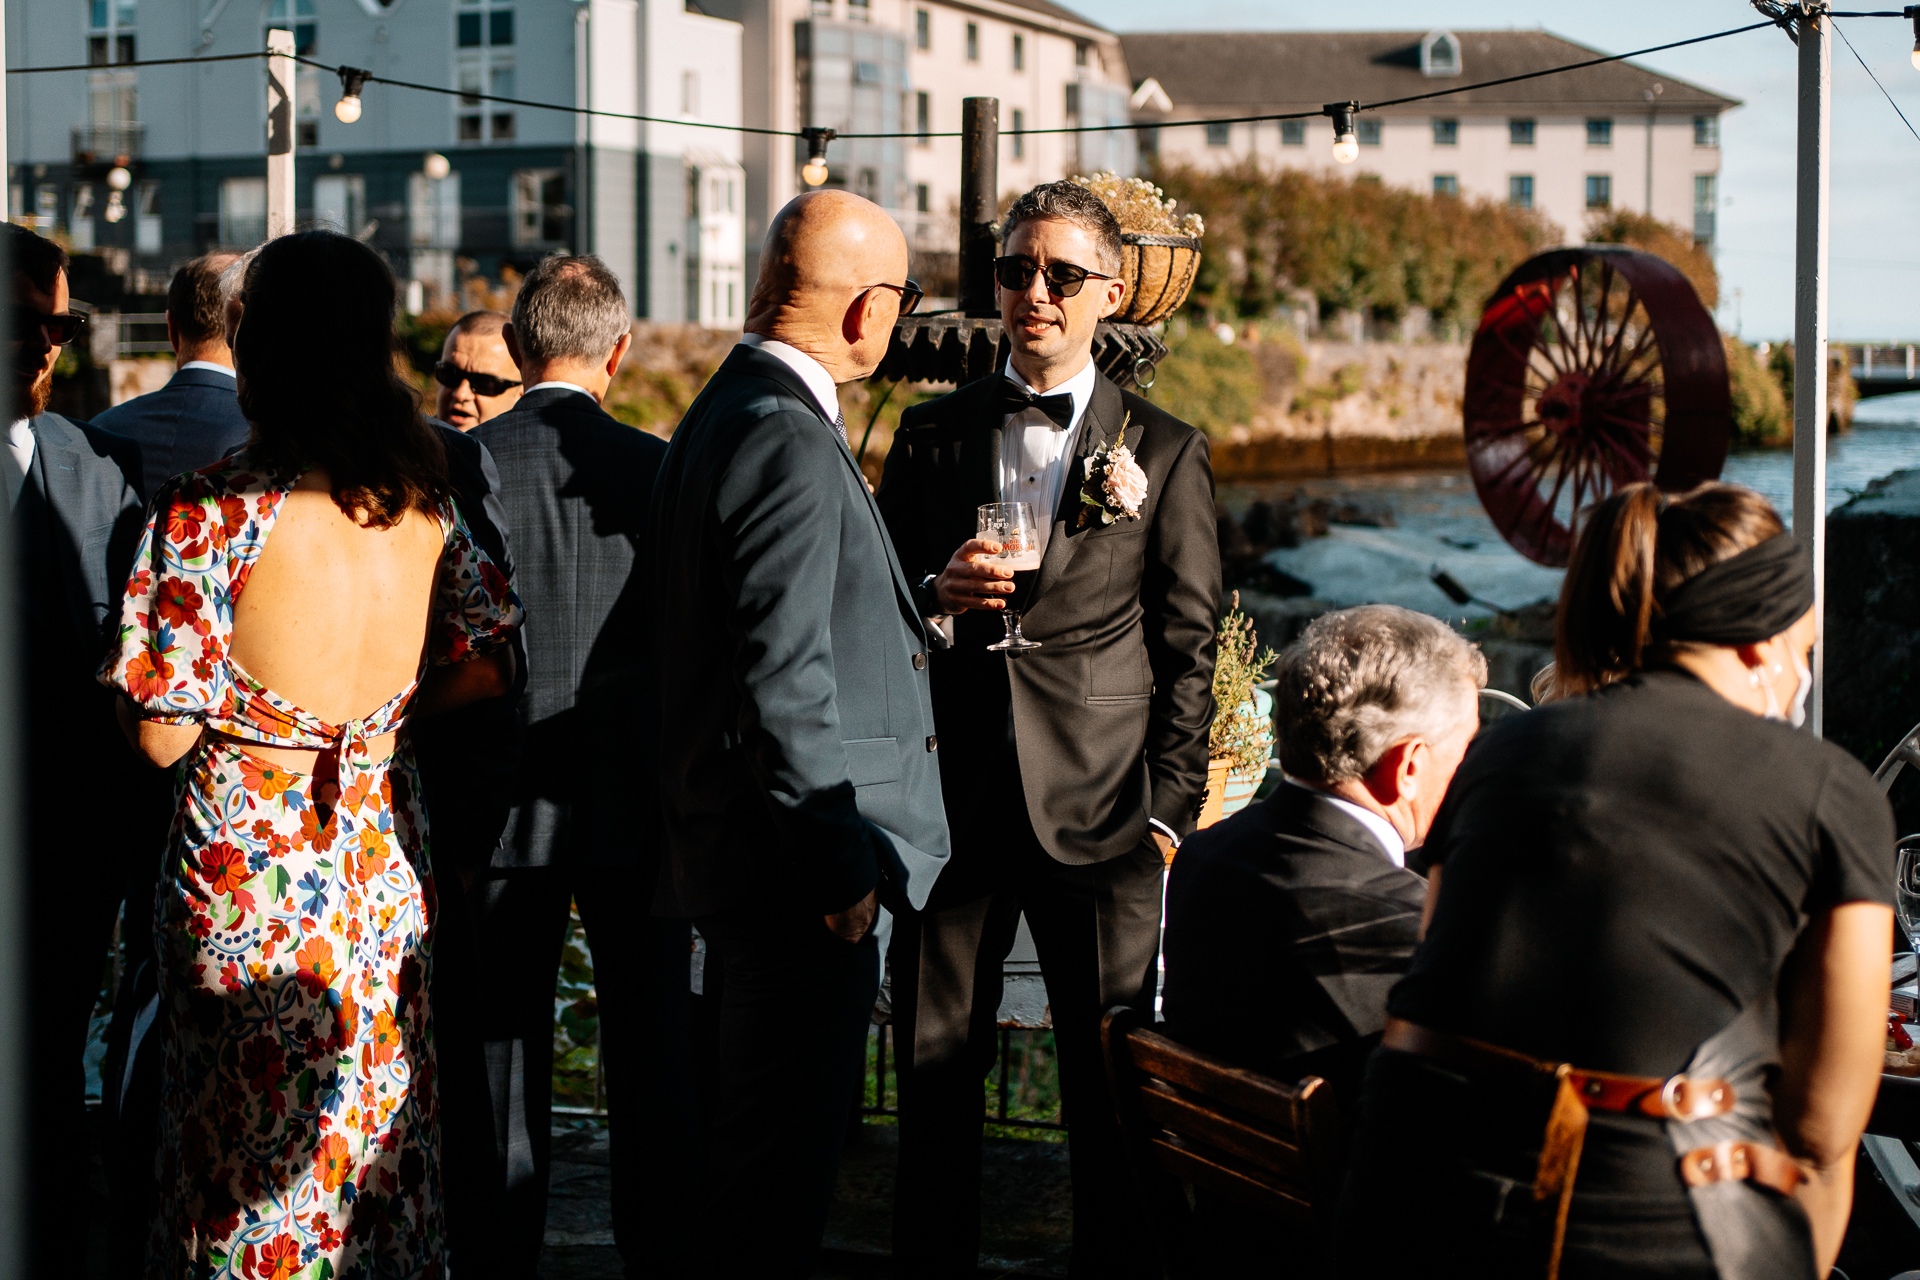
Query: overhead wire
[[1876, 79]]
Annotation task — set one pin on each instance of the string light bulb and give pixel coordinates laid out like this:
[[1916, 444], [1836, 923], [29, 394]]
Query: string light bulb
[[352, 81], [1346, 146], [436, 166], [1913, 11], [118, 178], [814, 172]]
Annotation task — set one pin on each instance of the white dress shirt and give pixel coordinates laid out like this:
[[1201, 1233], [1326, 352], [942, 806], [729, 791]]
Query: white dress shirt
[[1035, 453], [212, 366], [564, 386], [813, 375], [20, 444], [1377, 826]]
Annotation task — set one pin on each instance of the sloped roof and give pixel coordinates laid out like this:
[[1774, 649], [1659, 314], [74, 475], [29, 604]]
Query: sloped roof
[[1252, 70], [1052, 10]]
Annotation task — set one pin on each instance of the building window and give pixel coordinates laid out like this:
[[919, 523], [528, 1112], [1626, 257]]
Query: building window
[[1148, 140], [243, 211], [1446, 132], [503, 126], [1367, 132], [1081, 52], [1706, 131], [469, 130], [857, 11], [1440, 54], [1073, 104], [922, 29], [973, 42], [1019, 136], [146, 218], [111, 24], [1019, 52], [1706, 198], [1218, 135], [46, 205], [1293, 133], [1600, 132], [1520, 131], [340, 202], [867, 73], [923, 118], [689, 93], [1599, 191], [922, 197], [866, 185], [540, 212], [500, 27], [1520, 190], [486, 66], [1446, 184], [80, 217]]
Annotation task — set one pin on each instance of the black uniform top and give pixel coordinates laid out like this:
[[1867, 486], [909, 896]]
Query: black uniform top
[[1625, 872]]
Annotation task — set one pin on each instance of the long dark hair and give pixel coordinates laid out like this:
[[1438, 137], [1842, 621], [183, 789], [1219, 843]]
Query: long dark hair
[[1638, 546], [316, 353]]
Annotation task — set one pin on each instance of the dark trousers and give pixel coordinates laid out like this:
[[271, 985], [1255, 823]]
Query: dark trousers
[[794, 1003], [1096, 928], [640, 975]]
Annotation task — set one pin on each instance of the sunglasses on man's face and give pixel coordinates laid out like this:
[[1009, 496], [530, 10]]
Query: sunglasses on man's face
[[60, 329], [910, 295], [450, 376], [1064, 280]]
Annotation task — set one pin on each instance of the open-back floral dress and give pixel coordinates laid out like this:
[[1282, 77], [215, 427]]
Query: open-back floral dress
[[299, 1133]]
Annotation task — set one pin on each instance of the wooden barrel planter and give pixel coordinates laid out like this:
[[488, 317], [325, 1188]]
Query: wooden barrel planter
[[1159, 271]]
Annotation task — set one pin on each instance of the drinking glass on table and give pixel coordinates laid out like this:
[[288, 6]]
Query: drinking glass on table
[[1014, 526], [1906, 890]]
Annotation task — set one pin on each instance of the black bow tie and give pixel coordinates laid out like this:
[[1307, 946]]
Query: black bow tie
[[1015, 400]]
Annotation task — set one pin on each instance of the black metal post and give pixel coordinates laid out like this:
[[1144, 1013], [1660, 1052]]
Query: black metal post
[[979, 204], [1006, 1063]]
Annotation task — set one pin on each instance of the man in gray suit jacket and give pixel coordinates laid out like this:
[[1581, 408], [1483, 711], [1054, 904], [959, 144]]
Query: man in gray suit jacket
[[91, 809], [195, 419], [575, 483], [799, 770]]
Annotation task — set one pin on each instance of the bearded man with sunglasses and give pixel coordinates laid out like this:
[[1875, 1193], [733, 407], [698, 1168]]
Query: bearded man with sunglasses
[[93, 813], [1070, 770]]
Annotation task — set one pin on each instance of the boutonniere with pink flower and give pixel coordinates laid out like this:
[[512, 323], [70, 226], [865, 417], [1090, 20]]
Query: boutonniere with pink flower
[[1115, 485]]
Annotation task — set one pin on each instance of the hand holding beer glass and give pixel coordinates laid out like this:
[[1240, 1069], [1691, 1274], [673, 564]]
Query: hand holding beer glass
[[1014, 527]]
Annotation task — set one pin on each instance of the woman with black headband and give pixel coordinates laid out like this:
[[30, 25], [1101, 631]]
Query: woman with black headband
[[1645, 1028]]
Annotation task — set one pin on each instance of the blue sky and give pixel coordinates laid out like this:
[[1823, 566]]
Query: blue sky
[[1875, 289]]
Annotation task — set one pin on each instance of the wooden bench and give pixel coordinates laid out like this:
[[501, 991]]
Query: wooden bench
[[1191, 1120]]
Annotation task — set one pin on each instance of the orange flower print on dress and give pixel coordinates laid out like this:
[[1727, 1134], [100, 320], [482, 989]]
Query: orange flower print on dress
[[316, 970], [332, 1162], [385, 1037], [179, 603], [279, 1258], [223, 867], [148, 675], [314, 832], [372, 859], [264, 778], [183, 519]]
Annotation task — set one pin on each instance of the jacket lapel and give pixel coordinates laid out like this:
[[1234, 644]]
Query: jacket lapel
[[1099, 425], [53, 479]]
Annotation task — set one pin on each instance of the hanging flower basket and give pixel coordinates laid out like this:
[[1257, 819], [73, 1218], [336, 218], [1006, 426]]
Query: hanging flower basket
[[1159, 271]]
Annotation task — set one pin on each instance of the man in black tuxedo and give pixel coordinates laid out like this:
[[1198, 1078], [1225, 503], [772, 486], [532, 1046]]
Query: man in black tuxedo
[[195, 419], [575, 483], [1288, 923], [91, 810], [800, 777], [1071, 769]]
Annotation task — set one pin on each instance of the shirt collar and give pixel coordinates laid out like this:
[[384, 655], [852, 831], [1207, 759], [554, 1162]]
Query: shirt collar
[[211, 366], [812, 373], [1378, 827], [561, 386], [1079, 386]]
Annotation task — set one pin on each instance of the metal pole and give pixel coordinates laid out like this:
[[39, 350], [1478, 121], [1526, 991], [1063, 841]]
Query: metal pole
[[280, 98], [1810, 316], [979, 204]]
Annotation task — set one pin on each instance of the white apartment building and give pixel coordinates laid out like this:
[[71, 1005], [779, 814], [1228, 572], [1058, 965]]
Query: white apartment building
[[1569, 145], [870, 66], [662, 203]]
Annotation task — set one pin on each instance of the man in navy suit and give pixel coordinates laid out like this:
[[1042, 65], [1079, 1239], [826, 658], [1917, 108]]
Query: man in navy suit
[[195, 419], [76, 519], [575, 484], [799, 777]]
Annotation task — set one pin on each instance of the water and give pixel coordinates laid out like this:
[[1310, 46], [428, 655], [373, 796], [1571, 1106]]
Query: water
[[1439, 521]]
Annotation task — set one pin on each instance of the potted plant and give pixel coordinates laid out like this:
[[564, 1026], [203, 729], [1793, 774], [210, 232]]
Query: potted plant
[[1159, 253], [1241, 741]]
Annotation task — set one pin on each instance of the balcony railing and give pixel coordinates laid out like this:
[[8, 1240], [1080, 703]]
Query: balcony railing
[[110, 143]]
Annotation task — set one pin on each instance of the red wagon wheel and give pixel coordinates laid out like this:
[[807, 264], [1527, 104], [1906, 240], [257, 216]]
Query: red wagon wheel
[[1592, 369]]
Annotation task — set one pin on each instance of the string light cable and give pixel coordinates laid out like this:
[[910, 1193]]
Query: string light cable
[[1876, 79], [354, 79]]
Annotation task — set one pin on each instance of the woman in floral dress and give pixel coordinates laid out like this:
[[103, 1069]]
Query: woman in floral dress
[[299, 1135]]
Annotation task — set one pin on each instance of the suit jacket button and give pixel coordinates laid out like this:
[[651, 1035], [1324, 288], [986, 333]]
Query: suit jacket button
[[933, 742], [919, 662]]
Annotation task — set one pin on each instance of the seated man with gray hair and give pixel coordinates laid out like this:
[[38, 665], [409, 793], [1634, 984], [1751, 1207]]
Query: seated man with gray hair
[[1287, 923]]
